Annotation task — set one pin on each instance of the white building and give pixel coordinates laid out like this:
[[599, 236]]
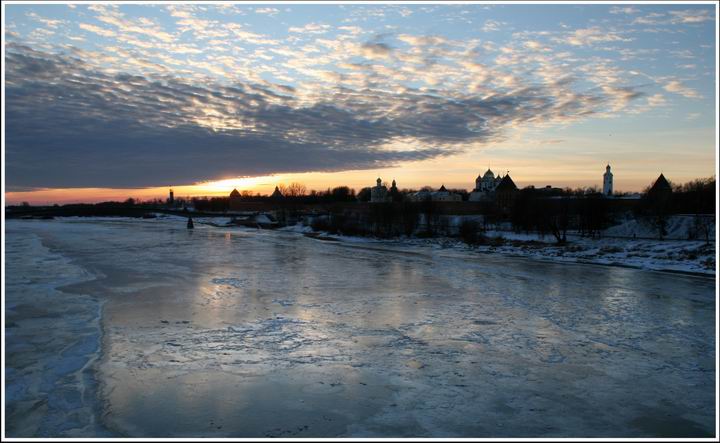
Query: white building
[[379, 193], [484, 186], [607, 181], [443, 195]]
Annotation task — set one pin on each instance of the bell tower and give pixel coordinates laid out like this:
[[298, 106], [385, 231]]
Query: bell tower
[[607, 181]]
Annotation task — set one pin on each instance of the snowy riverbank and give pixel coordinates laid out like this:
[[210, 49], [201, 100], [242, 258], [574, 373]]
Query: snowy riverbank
[[687, 256]]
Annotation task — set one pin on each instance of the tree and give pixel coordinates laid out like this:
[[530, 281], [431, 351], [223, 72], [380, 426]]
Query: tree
[[469, 231], [656, 205], [294, 190], [559, 218], [342, 194], [409, 212], [592, 214], [364, 195], [703, 226]]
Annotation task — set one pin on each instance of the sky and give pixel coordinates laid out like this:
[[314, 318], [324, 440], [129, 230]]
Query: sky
[[109, 101]]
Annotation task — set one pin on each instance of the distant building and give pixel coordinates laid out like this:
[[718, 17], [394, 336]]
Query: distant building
[[485, 186], [234, 201], [505, 192], [420, 196], [607, 182], [661, 188], [171, 198], [488, 181], [277, 195], [548, 190], [394, 194], [441, 195], [379, 193]]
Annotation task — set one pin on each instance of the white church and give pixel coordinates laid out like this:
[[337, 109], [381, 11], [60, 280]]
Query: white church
[[484, 186], [380, 193]]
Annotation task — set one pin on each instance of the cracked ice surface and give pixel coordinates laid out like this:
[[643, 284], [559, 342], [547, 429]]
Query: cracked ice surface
[[225, 332]]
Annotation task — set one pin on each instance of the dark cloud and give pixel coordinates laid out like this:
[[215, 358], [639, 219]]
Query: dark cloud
[[376, 49], [69, 124]]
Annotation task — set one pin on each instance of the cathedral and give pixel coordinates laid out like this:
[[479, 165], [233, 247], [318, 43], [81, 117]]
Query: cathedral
[[484, 186], [381, 194]]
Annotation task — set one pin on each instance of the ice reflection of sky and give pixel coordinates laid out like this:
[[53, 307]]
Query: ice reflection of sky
[[252, 333]]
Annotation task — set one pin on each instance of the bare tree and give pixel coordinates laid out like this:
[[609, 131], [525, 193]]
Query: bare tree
[[295, 190], [703, 226]]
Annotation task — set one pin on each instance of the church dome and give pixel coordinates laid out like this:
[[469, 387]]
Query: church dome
[[234, 193], [489, 173]]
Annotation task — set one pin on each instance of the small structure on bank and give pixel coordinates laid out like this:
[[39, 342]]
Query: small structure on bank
[[234, 200], [277, 195], [171, 198]]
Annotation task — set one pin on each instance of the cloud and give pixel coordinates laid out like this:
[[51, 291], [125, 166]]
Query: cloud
[[591, 36], [675, 86], [138, 132], [268, 11], [352, 30], [422, 40], [137, 26], [250, 37], [691, 16], [654, 18], [491, 25], [50, 23], [310, 28], [535, 46], [376, 50], [686, 16], [656, 100], [624, 10], [151, 107], [97, 30]]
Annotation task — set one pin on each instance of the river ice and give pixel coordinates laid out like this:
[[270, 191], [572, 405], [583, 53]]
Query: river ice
[[225, 332]]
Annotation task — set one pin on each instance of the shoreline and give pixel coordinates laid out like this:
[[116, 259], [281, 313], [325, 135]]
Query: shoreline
[[66, 380], [512, 250]]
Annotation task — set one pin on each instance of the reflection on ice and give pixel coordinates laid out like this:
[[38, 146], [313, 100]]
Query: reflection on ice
[[253, 334]]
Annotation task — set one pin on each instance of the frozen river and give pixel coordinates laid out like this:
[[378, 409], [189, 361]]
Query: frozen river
[[143, 328]]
